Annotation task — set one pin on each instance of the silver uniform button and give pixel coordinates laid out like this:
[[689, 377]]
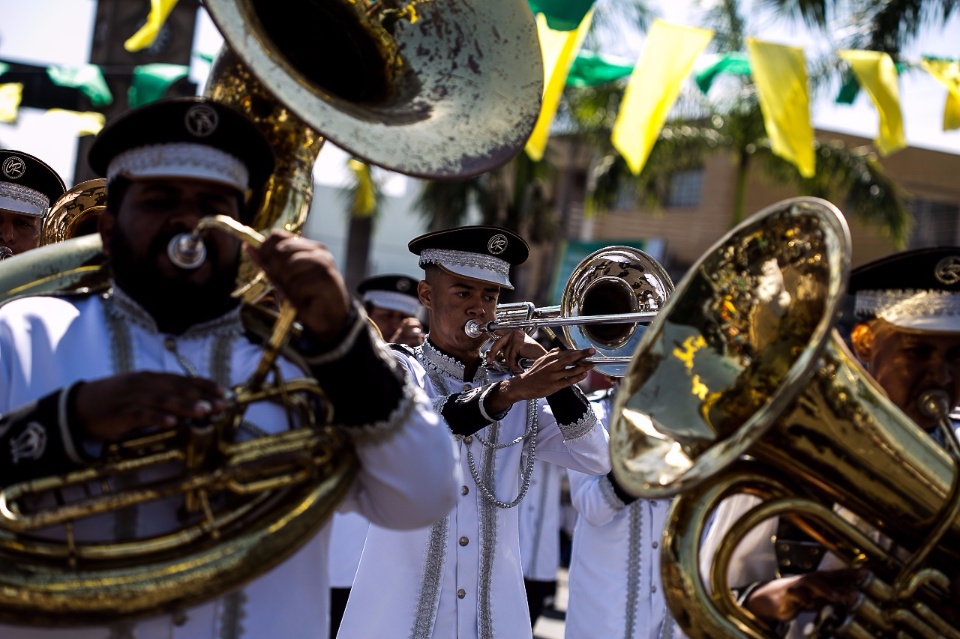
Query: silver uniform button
[[464, 541], [461, 593], [656, 544], [464, 490], [468, 439]]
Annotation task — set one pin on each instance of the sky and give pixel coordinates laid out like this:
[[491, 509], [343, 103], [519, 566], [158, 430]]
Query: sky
[[59, 32]]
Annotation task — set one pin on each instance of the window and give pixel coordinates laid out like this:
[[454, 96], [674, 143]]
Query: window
[[935, 223], [685, 187]]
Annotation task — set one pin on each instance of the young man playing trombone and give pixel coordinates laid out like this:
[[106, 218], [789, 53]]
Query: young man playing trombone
[[462, 577]]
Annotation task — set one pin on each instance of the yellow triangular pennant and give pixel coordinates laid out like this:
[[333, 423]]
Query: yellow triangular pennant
[[159, 10], [947, 73], [877, 73], [663, 65], [780, 74], [559, 48], [10, 95], [85, 122]]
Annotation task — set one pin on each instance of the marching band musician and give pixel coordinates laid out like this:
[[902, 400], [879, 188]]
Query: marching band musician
[[907, 335], [392, 304], [28, 186], [162, 345], [614, 581], [462, 577]]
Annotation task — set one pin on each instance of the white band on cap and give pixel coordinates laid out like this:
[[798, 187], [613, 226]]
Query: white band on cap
[[181, 159], [935, 311], [393, 301], [476, 266], [21, 199]]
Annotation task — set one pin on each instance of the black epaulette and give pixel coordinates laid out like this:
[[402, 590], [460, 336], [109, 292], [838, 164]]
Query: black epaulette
[[403, 348]]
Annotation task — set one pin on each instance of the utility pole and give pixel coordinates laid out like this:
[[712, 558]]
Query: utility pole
[[116, 21]]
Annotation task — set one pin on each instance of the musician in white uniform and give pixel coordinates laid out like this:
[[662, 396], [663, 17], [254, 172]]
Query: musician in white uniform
[[540, 536], [461, 577], [163, 343], [28, 187], [907, 335], [614, 588]]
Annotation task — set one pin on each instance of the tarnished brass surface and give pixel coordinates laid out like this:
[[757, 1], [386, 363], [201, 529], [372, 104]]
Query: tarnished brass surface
[[75, 212], [742, 385], [448, 88]]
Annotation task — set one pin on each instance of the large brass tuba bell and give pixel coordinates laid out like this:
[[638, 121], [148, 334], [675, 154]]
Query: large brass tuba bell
[[743, 385], [431, 89]]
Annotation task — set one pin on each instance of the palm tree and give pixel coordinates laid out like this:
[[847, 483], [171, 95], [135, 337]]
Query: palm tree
[[874, 25], [731, 122]]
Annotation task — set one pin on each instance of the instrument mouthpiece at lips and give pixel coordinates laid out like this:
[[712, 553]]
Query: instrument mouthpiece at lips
[[473, 328], [187, 250], [5, 252], [934, 403]]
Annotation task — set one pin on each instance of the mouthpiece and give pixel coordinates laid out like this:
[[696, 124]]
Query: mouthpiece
[[5, 252], [473, 328], [934, 404], [187, 250]]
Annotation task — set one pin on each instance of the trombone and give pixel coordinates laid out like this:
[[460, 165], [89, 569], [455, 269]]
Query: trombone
[[607, 303]]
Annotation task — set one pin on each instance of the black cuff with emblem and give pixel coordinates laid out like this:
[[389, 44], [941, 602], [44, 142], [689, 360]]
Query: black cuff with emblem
[[357, 365], [465, 412], [36, 440]]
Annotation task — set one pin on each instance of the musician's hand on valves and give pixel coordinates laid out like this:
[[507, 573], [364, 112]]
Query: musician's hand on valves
[[106, 409], [783, 599], [306, 274]]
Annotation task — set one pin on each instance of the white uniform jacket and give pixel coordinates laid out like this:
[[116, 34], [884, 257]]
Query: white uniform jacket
[[540, 523], [462, 576], [614, 587], [408, 475], [348, 531]]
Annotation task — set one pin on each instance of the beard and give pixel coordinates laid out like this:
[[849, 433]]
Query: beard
[[179, 300]]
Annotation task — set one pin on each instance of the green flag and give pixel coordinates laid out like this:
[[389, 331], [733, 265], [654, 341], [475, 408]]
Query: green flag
[[562, 15], [732, 63], [87, 78], [151, 81], [591, 69]]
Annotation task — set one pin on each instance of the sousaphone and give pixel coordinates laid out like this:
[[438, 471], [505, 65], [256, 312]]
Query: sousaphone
[[441, 89]]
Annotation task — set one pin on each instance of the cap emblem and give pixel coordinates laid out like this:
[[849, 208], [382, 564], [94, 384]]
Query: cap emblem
[[947, 270], [14, 167], [403, 285], [497, 244], [201, 120]]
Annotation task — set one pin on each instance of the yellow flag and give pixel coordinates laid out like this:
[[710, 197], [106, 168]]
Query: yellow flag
[[559, 48], [159, 10], [365, 203], [947, 73], [877, 73], [85, 122], [780, 74], [10, 96], [663, 65]]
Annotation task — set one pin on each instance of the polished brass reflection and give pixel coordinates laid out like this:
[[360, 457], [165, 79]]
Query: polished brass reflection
[[75, 213], [608, 301], [743, 385]]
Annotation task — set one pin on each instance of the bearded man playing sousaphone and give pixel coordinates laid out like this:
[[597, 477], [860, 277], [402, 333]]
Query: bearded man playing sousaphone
[[907, 334], [160, 349]]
